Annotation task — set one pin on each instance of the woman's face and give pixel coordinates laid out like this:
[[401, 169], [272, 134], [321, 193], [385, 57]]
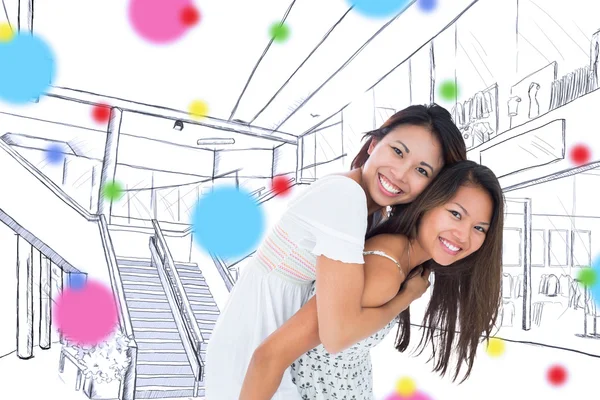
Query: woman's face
[[455, 230], [401, 165]]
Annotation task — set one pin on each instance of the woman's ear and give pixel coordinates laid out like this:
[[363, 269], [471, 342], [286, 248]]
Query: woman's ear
[[372, 145]]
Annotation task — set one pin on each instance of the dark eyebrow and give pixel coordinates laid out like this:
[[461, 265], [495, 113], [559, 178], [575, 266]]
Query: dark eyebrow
[[467, 213], [427, 165], [408, 151], [403, 145]]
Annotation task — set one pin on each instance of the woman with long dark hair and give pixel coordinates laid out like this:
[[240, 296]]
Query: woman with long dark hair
[[321, 237], [454, 229]]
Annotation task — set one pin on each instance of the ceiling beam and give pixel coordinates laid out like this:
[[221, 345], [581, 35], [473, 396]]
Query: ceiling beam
[[84, 97]]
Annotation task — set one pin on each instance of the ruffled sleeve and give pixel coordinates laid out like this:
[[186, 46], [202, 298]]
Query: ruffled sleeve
[[334, 212]]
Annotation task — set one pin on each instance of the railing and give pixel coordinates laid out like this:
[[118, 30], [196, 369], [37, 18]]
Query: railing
[[127, 390], [128, 383], [183, 311], [170, 203]]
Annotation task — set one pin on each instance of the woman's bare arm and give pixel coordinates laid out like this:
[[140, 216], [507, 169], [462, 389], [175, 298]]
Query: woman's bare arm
[[381, 302]]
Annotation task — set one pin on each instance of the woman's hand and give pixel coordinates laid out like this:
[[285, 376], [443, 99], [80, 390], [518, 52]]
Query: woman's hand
[[417, 284]]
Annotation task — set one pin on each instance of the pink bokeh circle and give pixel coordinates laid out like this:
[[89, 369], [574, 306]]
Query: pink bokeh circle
[[87, 315], [158, 21]]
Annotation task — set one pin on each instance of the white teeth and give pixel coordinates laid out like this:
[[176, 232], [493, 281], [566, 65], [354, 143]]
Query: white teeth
[[448, 245], [389, 187]]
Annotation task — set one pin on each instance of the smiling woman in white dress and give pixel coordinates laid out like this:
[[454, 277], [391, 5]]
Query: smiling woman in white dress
[[454, 229], [321, 237]]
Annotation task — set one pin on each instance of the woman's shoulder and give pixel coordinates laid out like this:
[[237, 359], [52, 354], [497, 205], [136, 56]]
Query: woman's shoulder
[[332, 189], [393, 245]]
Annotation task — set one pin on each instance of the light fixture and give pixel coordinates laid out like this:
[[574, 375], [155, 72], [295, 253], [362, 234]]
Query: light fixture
[[178, 125], [215, 141]]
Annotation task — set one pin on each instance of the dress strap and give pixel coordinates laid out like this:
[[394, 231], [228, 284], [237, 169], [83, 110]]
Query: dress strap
[[382, 254]]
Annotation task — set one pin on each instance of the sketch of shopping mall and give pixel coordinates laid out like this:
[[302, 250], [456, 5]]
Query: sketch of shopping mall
[[527, 73]]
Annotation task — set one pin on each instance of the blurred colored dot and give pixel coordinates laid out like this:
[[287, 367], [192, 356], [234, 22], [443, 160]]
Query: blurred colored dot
[[557, 375], [580, 154], [228, 222], [101, 113], [26, 68], [198, 109], [112, 191], [86, 316], [6, 32], [417, 395], [280, 185], [77, 281], [190, 16], [595, 287], [448, 90], [279, 32], [159, 21], [55, 154], [427, 5], [495, 347], [378, 8], [587, 277], [406, 387]]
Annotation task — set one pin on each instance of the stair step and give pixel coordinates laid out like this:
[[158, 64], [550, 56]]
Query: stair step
[[196, 290], [131, 261], [188, 267], [139, 268], [206, 315], [164, 380], [137, 284], [201, 308], [191, 276], [163, 368], [160, 392], [162, 355], [146, 295], [154, 323], [154, 333], [153, 344], [146, 313], [147, 304], [135, 277]]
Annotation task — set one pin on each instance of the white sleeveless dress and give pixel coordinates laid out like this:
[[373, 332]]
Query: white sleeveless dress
[[329, 218], [347, 375]]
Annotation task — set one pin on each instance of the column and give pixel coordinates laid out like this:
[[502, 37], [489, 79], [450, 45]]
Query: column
[[45, 303], [109, 163], [24, 298], [25, 16], [299, 158], [526, 252]]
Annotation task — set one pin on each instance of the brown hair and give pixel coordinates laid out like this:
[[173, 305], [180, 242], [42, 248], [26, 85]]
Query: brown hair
[[468, 291], [433, 117]]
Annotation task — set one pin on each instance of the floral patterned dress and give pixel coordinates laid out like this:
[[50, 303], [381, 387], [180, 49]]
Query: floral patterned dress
[[347, 375]]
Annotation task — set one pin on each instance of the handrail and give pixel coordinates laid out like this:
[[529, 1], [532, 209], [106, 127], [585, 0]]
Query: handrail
[[223, 271], [60, 193], [183, 302], [115, 278], [127, 391], [128, 383], [189, 345]]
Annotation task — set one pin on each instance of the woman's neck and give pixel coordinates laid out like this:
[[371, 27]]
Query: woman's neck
[[357, 174], [417, 255]]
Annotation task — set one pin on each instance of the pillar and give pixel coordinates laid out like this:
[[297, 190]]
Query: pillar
[[109, 163], [25, 16], [45, 327], [299, 159], [25, 256]]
